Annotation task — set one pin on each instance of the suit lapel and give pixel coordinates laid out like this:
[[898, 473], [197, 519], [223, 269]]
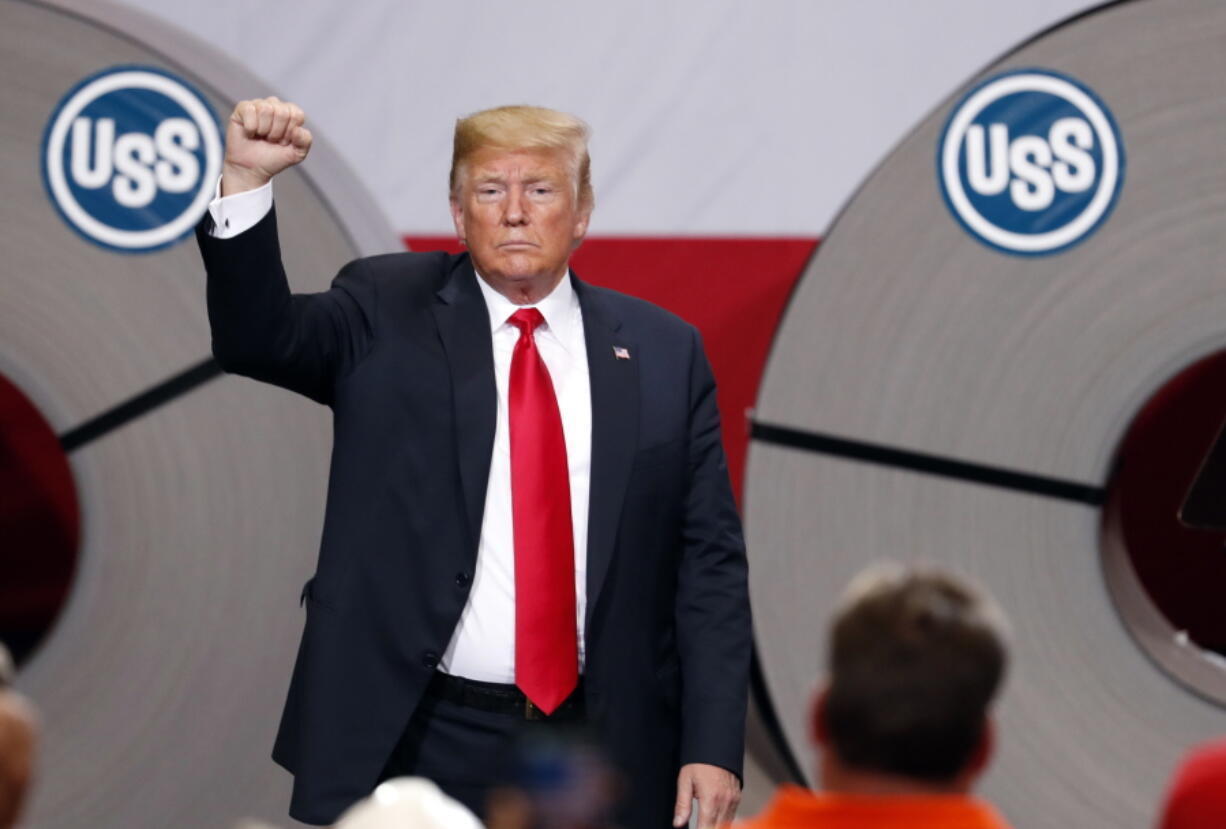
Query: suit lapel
[[615, 425], [464, 326]]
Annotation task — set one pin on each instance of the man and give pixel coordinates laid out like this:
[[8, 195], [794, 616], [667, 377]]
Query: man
[[529, 513], [902, 729]]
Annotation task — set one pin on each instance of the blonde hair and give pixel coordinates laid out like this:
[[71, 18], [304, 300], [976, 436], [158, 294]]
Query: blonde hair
[[514, 128]]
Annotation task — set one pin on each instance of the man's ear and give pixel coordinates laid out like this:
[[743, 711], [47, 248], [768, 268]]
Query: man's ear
[[819, 732], [581, 224], [457, 218], [982, 754]]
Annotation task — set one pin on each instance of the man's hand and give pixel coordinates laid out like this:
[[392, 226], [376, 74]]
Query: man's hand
[[718, 792], [263, 138]]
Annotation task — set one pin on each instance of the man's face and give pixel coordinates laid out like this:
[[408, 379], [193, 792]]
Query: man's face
[[519, 215]]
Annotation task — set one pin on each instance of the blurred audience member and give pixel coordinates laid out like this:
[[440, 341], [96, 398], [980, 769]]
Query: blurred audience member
[[408, 803], [17, 742], [902, 728], [554, 778], [1197, 797]]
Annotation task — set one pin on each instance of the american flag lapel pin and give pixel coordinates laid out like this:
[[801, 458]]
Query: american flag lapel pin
[[621, 353]]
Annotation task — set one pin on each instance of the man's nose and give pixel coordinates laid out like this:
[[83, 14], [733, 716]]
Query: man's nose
[[516, 208]]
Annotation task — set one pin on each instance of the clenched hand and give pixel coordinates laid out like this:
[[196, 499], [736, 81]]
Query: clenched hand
[[263, 137]]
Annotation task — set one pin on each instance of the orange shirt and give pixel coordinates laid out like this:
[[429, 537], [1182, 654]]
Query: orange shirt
[[797, 808]]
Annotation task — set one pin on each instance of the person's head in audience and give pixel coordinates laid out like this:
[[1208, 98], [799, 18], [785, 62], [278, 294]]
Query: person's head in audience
[[18, 735], [916, 657], [554, 777], [408, 803], [1196, 798]]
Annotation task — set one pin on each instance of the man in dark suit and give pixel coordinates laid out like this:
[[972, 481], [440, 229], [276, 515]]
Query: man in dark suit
[[529, 515]]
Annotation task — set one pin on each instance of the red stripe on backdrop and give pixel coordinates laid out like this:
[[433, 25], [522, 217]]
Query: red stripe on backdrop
[[733, 289], [39, 523]]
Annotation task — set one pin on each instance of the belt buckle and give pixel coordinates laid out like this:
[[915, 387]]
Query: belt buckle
[[531, 712]]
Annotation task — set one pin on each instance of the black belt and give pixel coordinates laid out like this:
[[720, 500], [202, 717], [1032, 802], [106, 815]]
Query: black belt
[[502, 699]]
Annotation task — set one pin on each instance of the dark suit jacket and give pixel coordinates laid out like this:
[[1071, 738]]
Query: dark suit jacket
[[400, 349]]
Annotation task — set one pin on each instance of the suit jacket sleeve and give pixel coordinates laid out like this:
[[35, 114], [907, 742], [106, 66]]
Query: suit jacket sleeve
[[302, 342], [714, 633]]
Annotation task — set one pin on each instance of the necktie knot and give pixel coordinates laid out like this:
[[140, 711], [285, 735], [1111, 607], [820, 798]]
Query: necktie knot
[[526, 320]]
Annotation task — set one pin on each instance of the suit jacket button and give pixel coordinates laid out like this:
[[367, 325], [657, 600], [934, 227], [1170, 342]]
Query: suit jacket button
[[430, 660], [462, 579]]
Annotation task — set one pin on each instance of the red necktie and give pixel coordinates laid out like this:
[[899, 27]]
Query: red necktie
[[546, 642]]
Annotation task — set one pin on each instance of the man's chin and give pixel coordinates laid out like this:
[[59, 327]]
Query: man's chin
[[519, 271]]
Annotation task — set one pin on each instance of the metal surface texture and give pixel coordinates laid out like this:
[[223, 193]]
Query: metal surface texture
[[920, 374], [161, 683]]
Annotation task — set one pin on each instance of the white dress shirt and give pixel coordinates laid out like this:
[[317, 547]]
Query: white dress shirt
[[483, 644], [241, 211]]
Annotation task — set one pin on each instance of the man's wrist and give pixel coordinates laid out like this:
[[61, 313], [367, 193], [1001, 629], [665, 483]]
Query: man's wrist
[[235, 179], [238, 212]]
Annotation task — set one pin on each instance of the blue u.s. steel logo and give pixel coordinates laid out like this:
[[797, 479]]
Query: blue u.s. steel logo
[[130, 156], [1030, 162]]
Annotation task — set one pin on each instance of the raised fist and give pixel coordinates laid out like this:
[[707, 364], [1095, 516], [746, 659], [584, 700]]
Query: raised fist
[[263, 137]]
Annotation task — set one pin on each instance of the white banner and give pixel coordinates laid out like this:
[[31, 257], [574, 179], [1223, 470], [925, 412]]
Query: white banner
[[710, 117]]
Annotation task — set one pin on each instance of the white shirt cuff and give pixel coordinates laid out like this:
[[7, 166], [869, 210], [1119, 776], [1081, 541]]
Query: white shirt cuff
[[242, 211]]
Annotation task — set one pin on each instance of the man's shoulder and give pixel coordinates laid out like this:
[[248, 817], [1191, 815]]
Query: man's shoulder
[[411, 272], [413, 263], [641, 315]]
